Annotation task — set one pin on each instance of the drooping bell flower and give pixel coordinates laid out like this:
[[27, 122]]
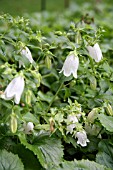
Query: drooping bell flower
[[95, 52], [28, 128], [71, 120], [70, 65], [14, 89], [82, 138], [26, 52]]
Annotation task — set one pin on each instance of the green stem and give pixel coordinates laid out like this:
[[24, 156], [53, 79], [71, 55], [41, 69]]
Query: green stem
[[92, 65], [54, 96], [47, 75]]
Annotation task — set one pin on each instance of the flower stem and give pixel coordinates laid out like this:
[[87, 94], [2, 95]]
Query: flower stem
[[55, 96]]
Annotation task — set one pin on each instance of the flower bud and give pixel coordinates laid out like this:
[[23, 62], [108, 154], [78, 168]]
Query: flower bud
[[13, 123], [78, 38], [28, 97], [48, 62], [58, 33], [28, 127], [92, 115], [109, 110], [93, 83], [37, 76], [51, 124]]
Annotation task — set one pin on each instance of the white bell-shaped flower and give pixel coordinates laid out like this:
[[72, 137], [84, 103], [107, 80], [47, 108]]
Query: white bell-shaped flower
[[28, 127], [14, 89], [71, 120], [82, 138], [71, 65], [27, 53], [95, 52]]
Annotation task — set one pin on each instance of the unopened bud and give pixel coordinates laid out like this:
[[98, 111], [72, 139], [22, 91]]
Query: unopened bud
[[37, 76], [22, 104], [13, 123], [48, 62], [109, 110], [28, 127], [28, 97], [51, 124], [92, 115], [58, 33], [78, 38], [93, 83], [1, 92]]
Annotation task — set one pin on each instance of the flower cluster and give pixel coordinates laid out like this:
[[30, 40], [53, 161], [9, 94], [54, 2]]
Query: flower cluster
[[71, 63], [72, 128], [71, 120]]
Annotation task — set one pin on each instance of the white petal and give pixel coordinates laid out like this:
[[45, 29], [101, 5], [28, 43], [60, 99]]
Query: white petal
[[11, 89], [70, 65], [82, 138], [91, 52], [17, 98], [28, 127], [70, 128], [67, 72], [83, 144], [67, 65], [21, 64], [98, 52], [14, 89], [26, 52], [95, 52], [75, 74], [19, 89], [72, 118], [71, 121]]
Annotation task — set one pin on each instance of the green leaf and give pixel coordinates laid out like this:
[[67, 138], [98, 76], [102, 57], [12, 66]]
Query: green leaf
[[48, 149], [105, 154], [81, 165], [35, 149], [45, 97], [106, 121], [30, 118], [9, 161]]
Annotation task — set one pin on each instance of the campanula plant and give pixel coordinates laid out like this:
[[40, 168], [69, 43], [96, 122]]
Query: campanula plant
[[55, 111]]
